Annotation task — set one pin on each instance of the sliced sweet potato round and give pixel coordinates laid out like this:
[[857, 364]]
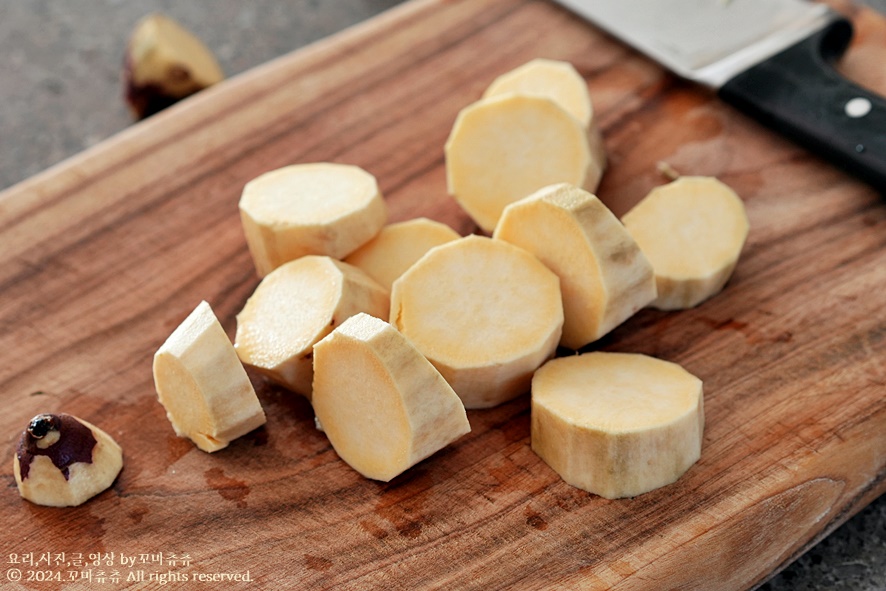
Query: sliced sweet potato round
[[554, 79], [398, 246], [504, 147], [484, 312], [692, 230], [295, 306], [604, 276], [616, 424], [202, 384], [383, 406], [320, 208]]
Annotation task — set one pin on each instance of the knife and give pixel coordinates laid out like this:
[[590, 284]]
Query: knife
[[771, 59]]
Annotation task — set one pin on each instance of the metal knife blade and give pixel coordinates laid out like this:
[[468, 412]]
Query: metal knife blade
[[771, 59], [708, 41]]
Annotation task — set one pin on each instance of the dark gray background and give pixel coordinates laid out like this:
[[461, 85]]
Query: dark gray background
[[60, 93]]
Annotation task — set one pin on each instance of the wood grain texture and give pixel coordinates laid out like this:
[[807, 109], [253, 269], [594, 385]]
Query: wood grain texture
[[106, 253]]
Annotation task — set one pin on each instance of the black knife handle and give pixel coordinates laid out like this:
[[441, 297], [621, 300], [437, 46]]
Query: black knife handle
[[800, 94]]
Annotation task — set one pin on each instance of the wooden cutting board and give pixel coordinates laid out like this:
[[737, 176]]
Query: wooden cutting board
[[103, 255]]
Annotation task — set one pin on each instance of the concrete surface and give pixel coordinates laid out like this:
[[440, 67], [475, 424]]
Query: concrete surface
[[60, 93], [60, 61]]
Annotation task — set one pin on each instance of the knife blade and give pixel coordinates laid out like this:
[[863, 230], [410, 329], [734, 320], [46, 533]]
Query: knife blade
[[771, 59]]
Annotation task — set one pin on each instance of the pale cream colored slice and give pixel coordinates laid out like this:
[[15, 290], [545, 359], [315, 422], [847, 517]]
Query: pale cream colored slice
[[202, 385], [165, 62], [692, 230], [604, 278], [505, 147], [398, 246], [560, 82], [319, 208], [484, 312], [295, 306], [55, 479], [381, 403], [554, 79], [616, 424]]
